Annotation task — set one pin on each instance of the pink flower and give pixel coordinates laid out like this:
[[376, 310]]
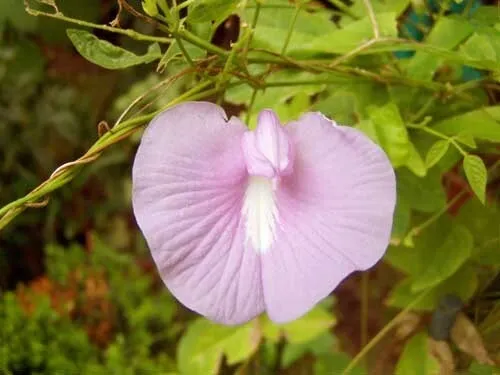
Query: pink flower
[[240, 222]]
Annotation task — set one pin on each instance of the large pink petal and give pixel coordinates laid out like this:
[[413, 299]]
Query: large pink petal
[[189, 180], [335, 215]]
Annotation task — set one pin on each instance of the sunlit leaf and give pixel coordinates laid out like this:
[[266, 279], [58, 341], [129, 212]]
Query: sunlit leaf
[[107, 55], [352, 35], [274, 23], [415, 163], [483, 123], [314, 323], [174, 52], [416, 358], [466, 139], [335, 363], [392, 133], [436, 152], [211, 10], [446, 33], [321, 345], [380, 6], [479, 47], [203, 345], [150, 7], [477, 175]]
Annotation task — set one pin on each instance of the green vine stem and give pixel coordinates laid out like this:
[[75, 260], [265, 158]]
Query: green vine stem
[[382, 333], [439, 135], [315, 65], [128, 32], [68, 171]]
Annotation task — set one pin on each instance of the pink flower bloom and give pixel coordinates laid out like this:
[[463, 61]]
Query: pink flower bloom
[[240, 222]]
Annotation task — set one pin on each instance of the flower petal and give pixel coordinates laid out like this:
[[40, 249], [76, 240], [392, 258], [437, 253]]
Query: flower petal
[[335, 215], [267, 150], [189, 180]]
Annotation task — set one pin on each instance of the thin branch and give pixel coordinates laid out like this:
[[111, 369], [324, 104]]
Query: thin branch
[[373, 19], [68, 171], [290, 29], [383, 332], [128, 32]]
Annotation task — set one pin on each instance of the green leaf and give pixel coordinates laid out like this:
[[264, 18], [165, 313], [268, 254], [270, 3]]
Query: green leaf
[[369, 129], [444, 261], [340, 106], [423, 194], [379, 6], [482, 369], [485, 15], [270, 330], [463, 284], [211, 10], [466, 139], [314, 323], [479, 47], [150, 7], [446, 33], [322, 344], [174, 52], [416, 358], [335, 363], [274, 20], [415, 162], [392, 133], [481, 124], [477, 175], [201, 348], [107, 55], [401, 221], [484, 222], [436, 152], [354, 34]]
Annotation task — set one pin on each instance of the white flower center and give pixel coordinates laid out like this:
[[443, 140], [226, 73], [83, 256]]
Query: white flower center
[[260, 213]]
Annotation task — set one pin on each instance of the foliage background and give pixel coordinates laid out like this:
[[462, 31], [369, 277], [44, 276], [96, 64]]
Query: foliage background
[[79, 293]]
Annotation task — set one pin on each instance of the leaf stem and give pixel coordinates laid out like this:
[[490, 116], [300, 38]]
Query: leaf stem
[[439, 135], [364, 307], [290, 29], [250, 105], [252, 29], [184, 51], [419, 228], [128, 32], [373, 18], [423, 110], [184, 4], [197, 41], [68, 171], [384, 331]]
